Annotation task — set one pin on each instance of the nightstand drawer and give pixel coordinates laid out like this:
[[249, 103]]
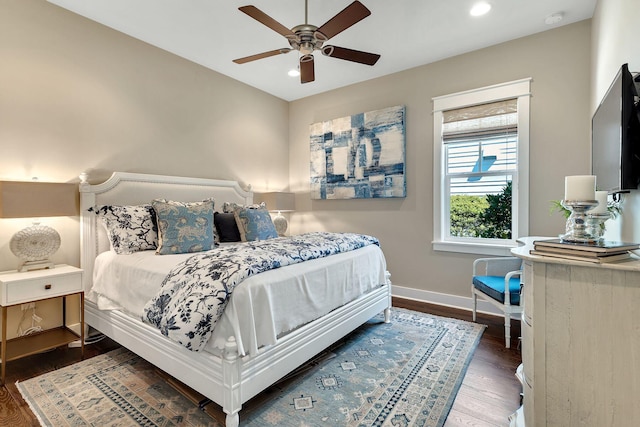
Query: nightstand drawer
[[23, 287]]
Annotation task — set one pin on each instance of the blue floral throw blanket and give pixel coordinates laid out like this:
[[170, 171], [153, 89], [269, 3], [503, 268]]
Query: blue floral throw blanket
[[194, 294]]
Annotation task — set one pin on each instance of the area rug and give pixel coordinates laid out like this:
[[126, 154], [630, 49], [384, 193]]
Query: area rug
[[405, 373]]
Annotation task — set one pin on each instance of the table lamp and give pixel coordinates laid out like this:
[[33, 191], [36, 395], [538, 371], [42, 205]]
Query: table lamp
[[35, 245], [278, 202]]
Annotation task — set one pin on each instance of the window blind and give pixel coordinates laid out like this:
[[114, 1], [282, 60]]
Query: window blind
[[481, 120]]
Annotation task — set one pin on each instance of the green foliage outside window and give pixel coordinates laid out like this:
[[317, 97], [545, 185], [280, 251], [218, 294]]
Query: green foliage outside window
[[466, 215], [486, 216]]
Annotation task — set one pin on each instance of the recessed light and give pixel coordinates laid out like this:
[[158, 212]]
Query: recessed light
[[293, 72], [480, 9], [554, 18]]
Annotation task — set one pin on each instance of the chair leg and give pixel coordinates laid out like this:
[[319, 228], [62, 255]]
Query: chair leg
[[474, 297], [507, 329]]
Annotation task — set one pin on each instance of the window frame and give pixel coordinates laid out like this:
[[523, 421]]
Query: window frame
[[520, 90]]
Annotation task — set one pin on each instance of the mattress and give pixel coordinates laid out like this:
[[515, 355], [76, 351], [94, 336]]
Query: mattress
[[262, 308]]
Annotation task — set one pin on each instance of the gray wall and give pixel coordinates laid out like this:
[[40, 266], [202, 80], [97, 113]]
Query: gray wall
[[556, 60], [77, 96]]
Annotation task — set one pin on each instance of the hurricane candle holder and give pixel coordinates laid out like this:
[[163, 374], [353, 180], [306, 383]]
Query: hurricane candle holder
[[577, 228], [596, 224]]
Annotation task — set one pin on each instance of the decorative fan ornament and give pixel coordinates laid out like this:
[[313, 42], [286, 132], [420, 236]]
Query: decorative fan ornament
[[34, 245], [307, 38]]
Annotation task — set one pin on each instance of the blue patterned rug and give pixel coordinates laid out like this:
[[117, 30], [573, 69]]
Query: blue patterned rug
[[405, 373]]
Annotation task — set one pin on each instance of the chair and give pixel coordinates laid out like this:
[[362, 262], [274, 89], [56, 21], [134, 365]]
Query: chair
[[497, 280]]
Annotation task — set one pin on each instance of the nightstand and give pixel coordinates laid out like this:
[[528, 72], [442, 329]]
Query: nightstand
[[23, 288]]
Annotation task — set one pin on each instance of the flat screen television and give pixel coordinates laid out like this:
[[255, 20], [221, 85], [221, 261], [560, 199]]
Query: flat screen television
[[615, 136]]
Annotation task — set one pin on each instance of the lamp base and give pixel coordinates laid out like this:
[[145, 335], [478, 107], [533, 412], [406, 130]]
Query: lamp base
[[34, 246], [281, 224], [35, 265]]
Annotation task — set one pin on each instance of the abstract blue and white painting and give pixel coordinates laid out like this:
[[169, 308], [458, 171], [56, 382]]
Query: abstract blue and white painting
[[360, 156]]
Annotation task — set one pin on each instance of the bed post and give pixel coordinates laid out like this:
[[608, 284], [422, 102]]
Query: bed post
[[88, 251], [387, 311], [231, 378]]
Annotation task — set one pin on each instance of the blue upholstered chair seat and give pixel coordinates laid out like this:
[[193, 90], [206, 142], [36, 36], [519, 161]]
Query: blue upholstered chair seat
[[489, 275], [494, 287]]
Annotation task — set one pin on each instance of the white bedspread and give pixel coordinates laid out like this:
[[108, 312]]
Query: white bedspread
[[260, 307]]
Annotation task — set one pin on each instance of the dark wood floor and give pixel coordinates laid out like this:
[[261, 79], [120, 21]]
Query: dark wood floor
[[488, 395]]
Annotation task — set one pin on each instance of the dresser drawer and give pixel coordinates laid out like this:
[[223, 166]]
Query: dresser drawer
[[20, 288]]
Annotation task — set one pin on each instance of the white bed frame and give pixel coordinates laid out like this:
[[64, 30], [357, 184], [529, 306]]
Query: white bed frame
[[230, 379]]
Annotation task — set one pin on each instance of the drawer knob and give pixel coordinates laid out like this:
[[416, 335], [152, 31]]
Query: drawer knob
[[47, 287]]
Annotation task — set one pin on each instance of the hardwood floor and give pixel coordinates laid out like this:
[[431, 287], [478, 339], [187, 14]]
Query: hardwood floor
[[489, 393]]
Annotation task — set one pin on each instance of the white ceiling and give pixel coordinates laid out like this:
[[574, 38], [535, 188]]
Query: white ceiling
[[407, 33]]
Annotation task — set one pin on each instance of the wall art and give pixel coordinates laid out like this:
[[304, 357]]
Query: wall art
[[360, 156]]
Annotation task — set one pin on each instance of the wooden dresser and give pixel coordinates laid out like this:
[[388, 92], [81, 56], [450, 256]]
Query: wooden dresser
[[580, 342]]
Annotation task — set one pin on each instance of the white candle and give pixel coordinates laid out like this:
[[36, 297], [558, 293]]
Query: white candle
[[580, 187], [601, 197]]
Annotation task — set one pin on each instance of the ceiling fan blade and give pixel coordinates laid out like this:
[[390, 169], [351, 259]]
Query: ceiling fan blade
[[307, 71], [265, 19], [262, 55], [351, 14], [350, 55]]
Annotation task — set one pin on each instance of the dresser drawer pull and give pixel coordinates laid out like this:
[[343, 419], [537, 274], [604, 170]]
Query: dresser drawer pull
[[47, 287]]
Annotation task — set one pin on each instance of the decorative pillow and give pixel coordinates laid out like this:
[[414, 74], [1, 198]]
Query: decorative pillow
[[184, 227], [130, 228], [255, 224], [216, 239], [226, 227]]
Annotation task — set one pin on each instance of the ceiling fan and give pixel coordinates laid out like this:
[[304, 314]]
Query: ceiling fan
[[307, 38]]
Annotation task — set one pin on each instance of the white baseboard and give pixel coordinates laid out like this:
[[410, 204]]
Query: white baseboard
[[454, 301]]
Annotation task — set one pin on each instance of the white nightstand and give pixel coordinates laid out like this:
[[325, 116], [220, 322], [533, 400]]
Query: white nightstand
[[22, 288]]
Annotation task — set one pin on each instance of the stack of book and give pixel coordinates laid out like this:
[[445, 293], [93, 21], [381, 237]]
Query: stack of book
[[596, 252]]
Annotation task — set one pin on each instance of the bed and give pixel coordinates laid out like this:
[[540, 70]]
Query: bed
[[239, 361]]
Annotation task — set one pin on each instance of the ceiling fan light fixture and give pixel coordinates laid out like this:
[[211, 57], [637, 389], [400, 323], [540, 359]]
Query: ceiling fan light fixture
[[306, 48], [480, 8]]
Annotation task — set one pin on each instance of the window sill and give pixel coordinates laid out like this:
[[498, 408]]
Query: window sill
[[473, 248]]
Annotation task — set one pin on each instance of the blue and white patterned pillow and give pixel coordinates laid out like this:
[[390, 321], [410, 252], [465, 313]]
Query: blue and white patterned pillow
[[130, 228], [216, 236], [254, 223], [184, 227]]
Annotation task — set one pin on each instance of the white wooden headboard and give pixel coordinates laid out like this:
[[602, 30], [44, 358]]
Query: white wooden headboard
[[133, 189]]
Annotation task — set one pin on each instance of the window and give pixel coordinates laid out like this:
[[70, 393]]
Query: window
[[481, 157]]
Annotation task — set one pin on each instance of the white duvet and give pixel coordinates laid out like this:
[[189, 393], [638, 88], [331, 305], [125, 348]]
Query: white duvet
[[262, 307]]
